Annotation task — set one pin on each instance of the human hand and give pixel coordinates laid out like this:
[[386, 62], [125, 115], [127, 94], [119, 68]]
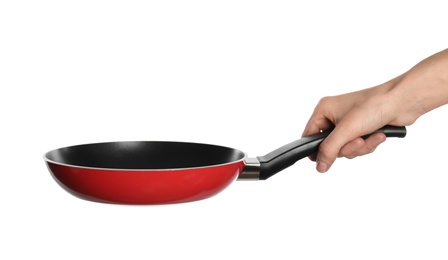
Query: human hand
[[351, 115], [398, 102]]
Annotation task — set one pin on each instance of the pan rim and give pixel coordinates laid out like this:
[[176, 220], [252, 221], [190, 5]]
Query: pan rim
[[243, 159]]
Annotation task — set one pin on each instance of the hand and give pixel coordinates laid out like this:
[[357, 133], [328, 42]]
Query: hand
[[354, 115], [398, 102]]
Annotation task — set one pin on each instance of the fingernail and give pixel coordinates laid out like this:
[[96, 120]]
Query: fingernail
[[321, 167]]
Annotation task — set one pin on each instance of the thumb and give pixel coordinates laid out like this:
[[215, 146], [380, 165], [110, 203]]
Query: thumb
[[330, 147], [325, 157]]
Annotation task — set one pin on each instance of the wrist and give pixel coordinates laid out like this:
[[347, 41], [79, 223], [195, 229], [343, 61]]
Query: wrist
[[408, 100]]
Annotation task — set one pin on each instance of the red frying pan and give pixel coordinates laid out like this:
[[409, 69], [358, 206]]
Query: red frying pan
[[149, 172]]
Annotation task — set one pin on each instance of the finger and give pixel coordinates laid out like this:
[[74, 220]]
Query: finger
[[330, 147], [327, 153], [370, 145], [349, 150], [316, 125], [313, 157]]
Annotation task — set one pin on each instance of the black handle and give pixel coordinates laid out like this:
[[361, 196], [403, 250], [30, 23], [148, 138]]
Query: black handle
[[287, 155]]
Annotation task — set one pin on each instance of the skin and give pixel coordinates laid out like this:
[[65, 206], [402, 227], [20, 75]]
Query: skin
[[399, 102]]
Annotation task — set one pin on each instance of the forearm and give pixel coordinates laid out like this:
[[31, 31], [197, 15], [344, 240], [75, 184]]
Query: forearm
[[421, 89]]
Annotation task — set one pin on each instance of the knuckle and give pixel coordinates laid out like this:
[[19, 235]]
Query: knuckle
[[326, 150], [325, 101], [371, 150], [351, 156], [367, 151], [345, 153]]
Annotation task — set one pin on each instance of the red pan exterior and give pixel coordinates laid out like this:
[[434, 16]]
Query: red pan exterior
[[145, 186]]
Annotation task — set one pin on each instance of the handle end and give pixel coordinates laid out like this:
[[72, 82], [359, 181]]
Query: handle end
[[393, 131]]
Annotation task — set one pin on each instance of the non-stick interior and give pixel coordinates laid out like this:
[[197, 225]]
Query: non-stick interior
[[144, 155]]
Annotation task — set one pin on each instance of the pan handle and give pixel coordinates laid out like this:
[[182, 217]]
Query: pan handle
[[287, 155]]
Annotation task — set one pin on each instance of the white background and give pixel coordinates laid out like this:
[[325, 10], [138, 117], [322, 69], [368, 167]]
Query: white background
[[244, 74]]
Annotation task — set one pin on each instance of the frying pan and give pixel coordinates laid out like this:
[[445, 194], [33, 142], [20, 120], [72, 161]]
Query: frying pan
[[155, 172]]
